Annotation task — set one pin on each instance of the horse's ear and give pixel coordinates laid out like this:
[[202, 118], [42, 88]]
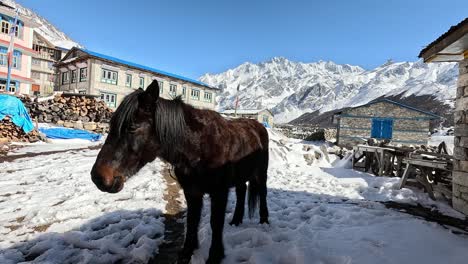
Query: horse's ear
[[153, 90]]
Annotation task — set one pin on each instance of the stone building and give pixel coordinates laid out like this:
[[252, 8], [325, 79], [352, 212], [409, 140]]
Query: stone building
[[87, 72], [452, 46], [42, 65], [383, 119], [21, 67], [263, 116]]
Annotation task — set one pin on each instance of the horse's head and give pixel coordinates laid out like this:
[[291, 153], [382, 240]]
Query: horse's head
[[131, 142]]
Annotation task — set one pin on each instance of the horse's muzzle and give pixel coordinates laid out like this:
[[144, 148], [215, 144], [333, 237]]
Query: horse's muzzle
[[107, 182]]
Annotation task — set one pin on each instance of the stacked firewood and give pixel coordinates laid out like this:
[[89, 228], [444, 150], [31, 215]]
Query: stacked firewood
[[11, 132], [68, 108]]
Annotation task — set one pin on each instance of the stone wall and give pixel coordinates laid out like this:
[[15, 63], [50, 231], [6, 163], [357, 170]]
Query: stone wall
[[409, 127], [460, 173]]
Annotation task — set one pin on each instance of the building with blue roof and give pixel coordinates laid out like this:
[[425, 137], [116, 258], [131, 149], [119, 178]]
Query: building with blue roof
[[88, 72], [384, 119]]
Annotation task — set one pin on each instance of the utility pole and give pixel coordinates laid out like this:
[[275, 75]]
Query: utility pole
[[237, 100], [11, 49]]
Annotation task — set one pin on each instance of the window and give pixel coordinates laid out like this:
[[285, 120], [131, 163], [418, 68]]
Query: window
[[208, 96], [141, 84], [5, 26], [36, 61], [73, 76], [16, 58], [128, 80], [83, 74], [82, 91], [35, 75], [64, 77], [184, 92], [265, 119], [195, 94], [109, 98], [172, 89], [3, 86], [161, 86], [109, 76], [3, 59], [50, 65]]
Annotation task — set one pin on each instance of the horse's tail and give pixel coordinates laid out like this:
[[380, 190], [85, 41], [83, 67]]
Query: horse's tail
[[253, 194]]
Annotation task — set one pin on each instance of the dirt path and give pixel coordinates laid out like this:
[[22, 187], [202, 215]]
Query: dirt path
[[10, 158], [174, 224]]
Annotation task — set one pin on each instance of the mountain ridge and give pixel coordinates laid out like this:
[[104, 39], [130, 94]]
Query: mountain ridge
[[291, 88]]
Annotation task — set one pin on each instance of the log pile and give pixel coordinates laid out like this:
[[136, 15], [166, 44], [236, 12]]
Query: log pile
[[68, 108], [11, 132]]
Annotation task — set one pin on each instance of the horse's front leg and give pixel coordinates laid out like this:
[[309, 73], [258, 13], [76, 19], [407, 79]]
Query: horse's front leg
[[194, 206], [218, 210]]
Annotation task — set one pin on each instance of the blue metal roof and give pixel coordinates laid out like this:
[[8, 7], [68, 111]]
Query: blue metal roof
[[402, 105], [143, 67]]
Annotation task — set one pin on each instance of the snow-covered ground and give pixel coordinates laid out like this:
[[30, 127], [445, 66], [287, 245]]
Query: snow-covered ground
[[50, 209], [320, 212]]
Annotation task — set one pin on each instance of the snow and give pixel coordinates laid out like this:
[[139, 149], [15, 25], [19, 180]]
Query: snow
[[50, 208], [320, 212]]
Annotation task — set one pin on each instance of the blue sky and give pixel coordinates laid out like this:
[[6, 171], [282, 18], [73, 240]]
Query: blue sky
[[194, 37]]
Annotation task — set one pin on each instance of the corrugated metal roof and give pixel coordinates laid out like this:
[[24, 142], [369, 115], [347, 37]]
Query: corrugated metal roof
[[143, 67], [243, 111]]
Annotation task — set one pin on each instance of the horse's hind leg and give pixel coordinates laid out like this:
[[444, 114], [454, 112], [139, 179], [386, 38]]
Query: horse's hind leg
[[262, 189], [239, 211]]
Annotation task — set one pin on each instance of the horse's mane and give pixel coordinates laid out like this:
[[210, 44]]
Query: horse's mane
[[169, 121], [170, 125], [123, 116]]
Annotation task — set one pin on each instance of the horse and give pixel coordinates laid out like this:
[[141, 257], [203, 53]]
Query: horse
[[209, 155]]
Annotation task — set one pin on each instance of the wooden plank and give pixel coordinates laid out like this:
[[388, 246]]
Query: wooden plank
[[404, 178], [430, 164]]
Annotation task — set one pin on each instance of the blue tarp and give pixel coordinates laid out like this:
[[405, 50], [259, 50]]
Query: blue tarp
[[14, 108], [64, 133]]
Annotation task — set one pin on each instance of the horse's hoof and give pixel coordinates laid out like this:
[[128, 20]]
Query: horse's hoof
[[185, 255], [235, 222], [264, 221], [214, 259]]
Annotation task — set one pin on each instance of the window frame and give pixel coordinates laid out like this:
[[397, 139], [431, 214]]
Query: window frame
[[195, 94], [107, 76], [127, 82], [172, 89], [73, 76], [141, 82], [210, 99], [67, 79], [110, 99], [83, 77]]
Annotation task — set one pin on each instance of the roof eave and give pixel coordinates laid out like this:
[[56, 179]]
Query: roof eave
[[449, 38]]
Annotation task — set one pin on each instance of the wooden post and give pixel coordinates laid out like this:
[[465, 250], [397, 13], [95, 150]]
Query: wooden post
[[404, 178]]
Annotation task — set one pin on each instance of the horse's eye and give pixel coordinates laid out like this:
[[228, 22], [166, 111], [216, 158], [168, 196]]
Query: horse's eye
[[132, 129]]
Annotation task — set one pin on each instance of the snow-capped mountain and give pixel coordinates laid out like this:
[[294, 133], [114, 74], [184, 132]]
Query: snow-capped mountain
[[46, 29], [291, 89]]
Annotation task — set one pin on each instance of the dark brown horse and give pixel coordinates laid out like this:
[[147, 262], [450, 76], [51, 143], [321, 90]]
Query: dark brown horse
[[209, 154]]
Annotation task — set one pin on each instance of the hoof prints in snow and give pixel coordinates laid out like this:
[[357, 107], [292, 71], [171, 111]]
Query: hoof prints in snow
[[117, 236], [52, 212]]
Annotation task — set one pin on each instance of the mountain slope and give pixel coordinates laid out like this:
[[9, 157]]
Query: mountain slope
[[46, 29], [291, 89]]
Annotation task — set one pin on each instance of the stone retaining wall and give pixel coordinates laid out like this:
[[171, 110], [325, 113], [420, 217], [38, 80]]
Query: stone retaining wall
[[460, 173]]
